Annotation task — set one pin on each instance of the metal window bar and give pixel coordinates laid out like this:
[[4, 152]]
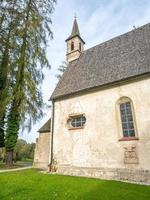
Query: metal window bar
[[127, 119], [78, 122]]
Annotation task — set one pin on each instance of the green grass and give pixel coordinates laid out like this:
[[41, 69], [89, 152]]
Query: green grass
[[33, 185]]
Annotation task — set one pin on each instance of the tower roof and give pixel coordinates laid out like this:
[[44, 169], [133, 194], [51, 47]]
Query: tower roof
[[75, 31]]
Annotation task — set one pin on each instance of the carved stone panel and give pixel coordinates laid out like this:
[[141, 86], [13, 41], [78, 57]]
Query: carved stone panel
[[130, 155]]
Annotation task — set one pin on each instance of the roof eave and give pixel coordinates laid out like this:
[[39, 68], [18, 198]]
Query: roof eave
[[115, 83], [70, 37], [46, 131]]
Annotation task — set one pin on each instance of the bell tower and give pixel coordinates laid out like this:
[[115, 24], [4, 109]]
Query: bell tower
[[75, 44]]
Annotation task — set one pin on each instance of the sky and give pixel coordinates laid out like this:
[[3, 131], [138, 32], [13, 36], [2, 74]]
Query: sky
[[99, 21]]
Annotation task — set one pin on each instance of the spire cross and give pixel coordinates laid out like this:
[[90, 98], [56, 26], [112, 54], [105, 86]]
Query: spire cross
[[75, 16]]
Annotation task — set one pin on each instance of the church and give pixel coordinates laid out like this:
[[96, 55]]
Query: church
[[100, 122]]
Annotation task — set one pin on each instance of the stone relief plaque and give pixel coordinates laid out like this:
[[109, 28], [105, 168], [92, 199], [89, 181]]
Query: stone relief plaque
[[130, 155]]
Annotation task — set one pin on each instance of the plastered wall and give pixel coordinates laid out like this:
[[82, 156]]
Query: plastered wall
[[97, 145]]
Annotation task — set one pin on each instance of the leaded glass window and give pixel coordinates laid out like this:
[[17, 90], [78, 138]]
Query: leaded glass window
[[127, 119], [76, 121]]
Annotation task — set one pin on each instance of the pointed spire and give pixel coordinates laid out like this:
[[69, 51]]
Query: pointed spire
[[75, 29]]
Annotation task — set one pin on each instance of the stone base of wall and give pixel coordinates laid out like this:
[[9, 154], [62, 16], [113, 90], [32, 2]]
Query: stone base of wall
[[41, 165], [138, 176]]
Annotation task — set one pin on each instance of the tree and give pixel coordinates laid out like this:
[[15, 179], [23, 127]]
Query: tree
[[2, 134], [33, 28], [61, 69], [2, 154], [24, 150], [8, 27], [18, 151]]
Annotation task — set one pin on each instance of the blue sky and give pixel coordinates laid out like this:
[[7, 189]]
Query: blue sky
[[98, 20]]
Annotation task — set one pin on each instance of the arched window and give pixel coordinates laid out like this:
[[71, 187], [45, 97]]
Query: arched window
[[127, 117], [72, 46], [80, 46], [75, 122]]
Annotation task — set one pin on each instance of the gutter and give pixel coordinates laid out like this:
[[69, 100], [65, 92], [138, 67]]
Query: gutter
[[52, 138]]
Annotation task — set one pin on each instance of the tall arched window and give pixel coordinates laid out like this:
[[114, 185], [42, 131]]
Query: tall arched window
[[72, 46], [127, 117]]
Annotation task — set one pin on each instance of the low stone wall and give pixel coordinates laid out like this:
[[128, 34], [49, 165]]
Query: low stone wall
[[138, 176], [41, 154]]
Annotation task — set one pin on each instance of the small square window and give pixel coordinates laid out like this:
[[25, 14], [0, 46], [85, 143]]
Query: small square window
[[76, 122]]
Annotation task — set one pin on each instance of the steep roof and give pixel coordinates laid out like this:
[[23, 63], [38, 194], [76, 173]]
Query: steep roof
[[46, 127], [75, 31], [118, 59]]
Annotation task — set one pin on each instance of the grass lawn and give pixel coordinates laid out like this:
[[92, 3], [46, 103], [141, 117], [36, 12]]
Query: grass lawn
[[33, 185]]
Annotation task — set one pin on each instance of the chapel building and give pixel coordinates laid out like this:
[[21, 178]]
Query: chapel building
[[100, 124]]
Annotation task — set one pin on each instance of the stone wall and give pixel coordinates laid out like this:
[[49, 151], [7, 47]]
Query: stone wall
[[98, 144], [139, 176], [42, 149]]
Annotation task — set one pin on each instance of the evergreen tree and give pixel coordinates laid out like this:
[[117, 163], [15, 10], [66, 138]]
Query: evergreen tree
[[2, 143], [26, 100], [61, 69], [8, 27]]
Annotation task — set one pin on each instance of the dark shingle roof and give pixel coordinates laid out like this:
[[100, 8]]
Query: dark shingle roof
[[120, 58], [46, 127]]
